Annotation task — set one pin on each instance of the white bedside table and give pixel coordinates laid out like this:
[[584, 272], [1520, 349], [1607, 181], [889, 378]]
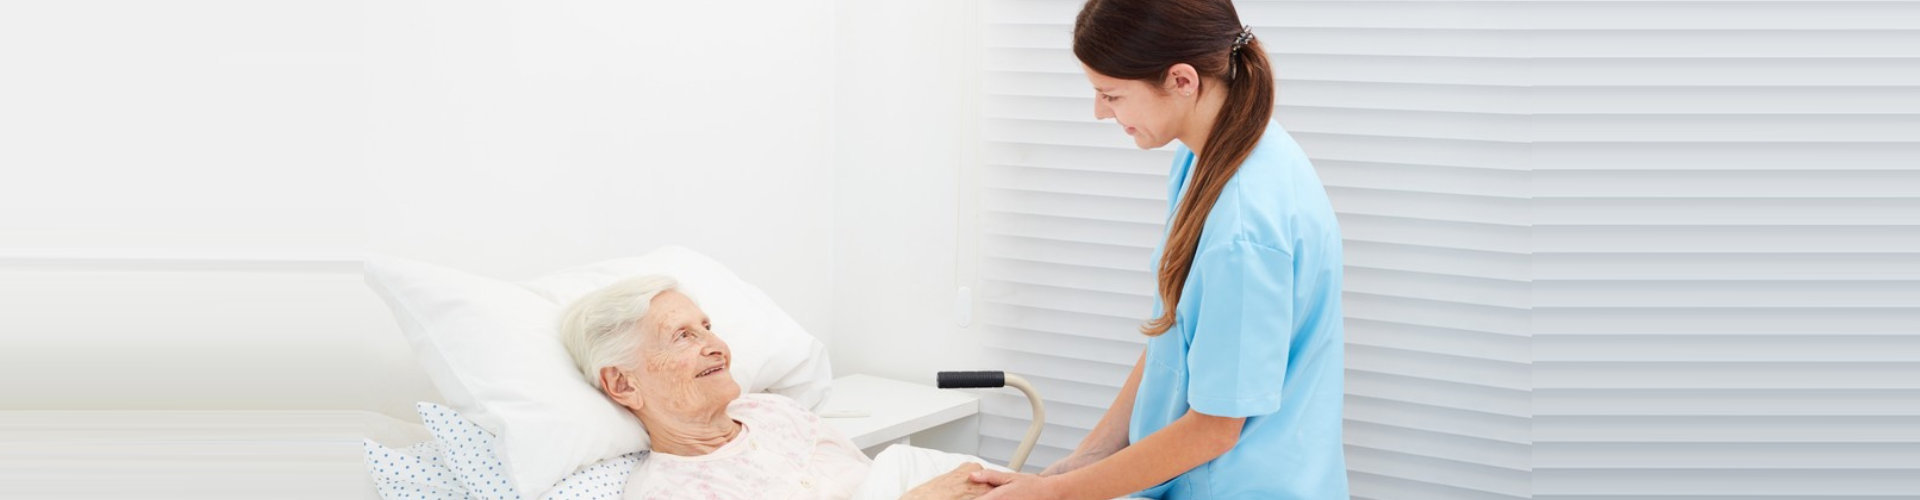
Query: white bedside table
[[904, 413]]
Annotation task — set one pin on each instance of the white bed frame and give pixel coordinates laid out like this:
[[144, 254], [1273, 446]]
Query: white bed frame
[[317, 454], [245, 376]]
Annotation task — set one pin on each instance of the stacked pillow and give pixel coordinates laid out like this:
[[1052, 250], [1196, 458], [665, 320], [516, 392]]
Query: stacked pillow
[[492, 349], [462, 463]]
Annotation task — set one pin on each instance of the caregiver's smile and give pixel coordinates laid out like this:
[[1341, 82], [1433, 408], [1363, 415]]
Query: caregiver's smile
[[1153, 115]]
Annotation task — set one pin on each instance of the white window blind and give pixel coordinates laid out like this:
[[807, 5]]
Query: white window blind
[[1708, 213], [1727, 249], [1070, 213]]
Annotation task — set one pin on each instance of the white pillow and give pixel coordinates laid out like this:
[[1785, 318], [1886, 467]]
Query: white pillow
[[419, 472], [472, 455], [462, 463], [492, 349]]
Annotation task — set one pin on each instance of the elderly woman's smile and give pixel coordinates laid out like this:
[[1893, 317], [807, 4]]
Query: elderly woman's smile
[[681, 357]]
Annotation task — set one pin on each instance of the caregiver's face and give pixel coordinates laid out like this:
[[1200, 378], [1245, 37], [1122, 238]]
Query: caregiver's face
[[1144, 111], [684, 366]]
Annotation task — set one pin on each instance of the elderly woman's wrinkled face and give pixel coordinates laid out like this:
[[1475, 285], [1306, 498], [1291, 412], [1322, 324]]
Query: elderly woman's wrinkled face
[[683, 365]]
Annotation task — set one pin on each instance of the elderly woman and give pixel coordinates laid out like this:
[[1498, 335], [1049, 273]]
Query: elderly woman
[[650, 349]]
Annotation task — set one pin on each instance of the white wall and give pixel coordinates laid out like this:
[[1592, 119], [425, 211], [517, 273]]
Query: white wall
[[530, 134], [595, 129], [187, 185], [905, 124], [212, 153]]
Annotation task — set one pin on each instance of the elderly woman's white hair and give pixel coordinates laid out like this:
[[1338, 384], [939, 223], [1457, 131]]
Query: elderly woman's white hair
[[600, 329]]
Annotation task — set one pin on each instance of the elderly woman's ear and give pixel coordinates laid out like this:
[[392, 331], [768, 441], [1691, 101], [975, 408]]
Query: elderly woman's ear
[[619, 387]]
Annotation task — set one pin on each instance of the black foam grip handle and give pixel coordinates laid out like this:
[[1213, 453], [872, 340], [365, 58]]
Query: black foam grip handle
[[970, 380]]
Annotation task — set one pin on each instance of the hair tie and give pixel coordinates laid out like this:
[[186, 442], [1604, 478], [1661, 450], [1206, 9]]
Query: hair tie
[[1233, 59]]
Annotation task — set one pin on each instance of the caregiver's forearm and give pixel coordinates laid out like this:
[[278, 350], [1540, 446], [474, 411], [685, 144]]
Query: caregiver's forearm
[[1188, 442], [1110, 434]]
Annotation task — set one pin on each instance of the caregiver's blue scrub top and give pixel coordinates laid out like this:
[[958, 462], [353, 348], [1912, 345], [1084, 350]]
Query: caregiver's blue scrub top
[[1257, 334]]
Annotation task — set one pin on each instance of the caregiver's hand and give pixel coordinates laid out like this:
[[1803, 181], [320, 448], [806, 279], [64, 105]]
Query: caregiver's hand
[[1071, 463], [1010, 486], [952, 485]]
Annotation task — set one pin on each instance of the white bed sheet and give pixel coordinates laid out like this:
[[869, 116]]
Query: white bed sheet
[[900, 468], [246, 455], [192, 454]]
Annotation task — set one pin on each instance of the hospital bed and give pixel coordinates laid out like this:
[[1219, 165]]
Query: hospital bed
[[245, 416], [317, 454], [994, 379]]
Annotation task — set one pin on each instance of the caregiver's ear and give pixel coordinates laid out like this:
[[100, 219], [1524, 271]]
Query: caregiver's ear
[[1182, 79], [620, 388]]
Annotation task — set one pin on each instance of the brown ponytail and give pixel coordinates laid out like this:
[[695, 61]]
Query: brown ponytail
[[1142, 40]]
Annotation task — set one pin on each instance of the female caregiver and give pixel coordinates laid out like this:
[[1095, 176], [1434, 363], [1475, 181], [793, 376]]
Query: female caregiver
[[1239, 392]]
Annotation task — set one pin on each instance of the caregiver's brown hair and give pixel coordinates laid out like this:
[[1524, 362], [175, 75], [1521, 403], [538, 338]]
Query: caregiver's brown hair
[[1141, 40]]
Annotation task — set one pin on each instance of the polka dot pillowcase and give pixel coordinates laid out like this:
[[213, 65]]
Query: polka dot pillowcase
[[462, 463]]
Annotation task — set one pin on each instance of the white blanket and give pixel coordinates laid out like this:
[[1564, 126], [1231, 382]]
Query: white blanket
[[900, 468]]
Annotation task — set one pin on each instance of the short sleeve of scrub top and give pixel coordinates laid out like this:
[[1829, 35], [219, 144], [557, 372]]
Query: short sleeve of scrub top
[[1245, 288]]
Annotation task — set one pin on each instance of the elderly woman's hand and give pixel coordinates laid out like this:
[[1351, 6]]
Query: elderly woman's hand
[[1012, 486], [952, 485]]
